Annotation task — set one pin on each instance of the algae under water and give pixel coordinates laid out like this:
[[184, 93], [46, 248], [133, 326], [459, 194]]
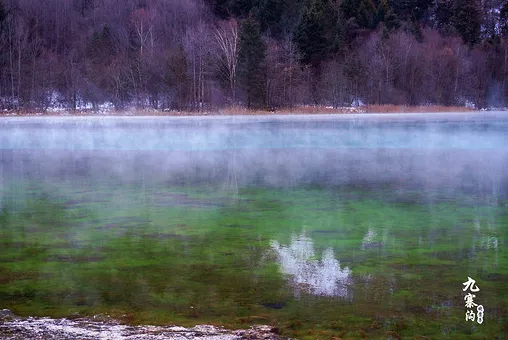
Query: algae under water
[[322, 227]]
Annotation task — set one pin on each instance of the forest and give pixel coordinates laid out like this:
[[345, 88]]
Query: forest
[[196, 55]]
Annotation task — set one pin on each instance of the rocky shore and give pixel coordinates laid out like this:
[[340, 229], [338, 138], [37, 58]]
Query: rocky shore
[[100, 327]]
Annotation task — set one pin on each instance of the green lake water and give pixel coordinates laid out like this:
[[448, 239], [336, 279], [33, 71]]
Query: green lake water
[[322, 227]]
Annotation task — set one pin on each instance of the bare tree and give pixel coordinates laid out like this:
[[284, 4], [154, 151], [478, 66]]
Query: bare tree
[[226, 36], [199, 52], [143, 23], [334, 84], [17, 39], [283, 72], [291, 70]]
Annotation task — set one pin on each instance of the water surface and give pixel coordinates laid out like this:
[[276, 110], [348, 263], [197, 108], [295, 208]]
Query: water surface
[[345, 226]]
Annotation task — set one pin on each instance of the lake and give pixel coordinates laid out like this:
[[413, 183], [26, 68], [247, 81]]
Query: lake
[[322, 226]]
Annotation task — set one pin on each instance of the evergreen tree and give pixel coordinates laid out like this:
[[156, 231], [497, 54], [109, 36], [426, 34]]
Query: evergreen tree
[[363, 12], [220, 8], [444, 16], [310, 35], [270, 13], [410, 10], [503, 18], [366, 14], [467, 20], [3, 13], [251, 63], [382, 10], [244, 8], [391, 21], [101, 47], [416, 30]]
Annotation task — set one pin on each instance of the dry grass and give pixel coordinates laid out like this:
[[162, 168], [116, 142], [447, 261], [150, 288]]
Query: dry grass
[[237, 110], [297, 110], [344, 110], [414, 109]]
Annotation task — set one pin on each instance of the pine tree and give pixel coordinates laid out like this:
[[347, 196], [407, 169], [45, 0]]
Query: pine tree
[[251, 63], [310, 35], [363, 12], [244, 8], [382, 10], [101, 46], [221, 8], [411, 10], [270, 13], [503, 19], [467, 20], [444, 16], [392, 22], [3, 13]]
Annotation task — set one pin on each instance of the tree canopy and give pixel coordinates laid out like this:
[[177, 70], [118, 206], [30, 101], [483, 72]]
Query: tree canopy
[[184, 54]]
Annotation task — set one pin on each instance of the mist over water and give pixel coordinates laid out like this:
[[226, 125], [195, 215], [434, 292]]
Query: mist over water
[[297, 220], [466, 151]]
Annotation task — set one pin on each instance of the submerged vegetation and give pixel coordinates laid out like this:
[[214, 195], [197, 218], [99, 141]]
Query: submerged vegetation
[[194, 255], [318, 227]]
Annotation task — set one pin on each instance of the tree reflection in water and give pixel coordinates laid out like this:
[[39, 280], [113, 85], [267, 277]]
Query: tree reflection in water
[[322, 277]]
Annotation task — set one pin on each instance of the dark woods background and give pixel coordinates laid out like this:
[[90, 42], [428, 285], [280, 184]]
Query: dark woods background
[[196, 55]]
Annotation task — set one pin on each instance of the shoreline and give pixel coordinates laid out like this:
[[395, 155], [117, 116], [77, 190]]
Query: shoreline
[[105, 327], [351, 118], [241, 111]]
